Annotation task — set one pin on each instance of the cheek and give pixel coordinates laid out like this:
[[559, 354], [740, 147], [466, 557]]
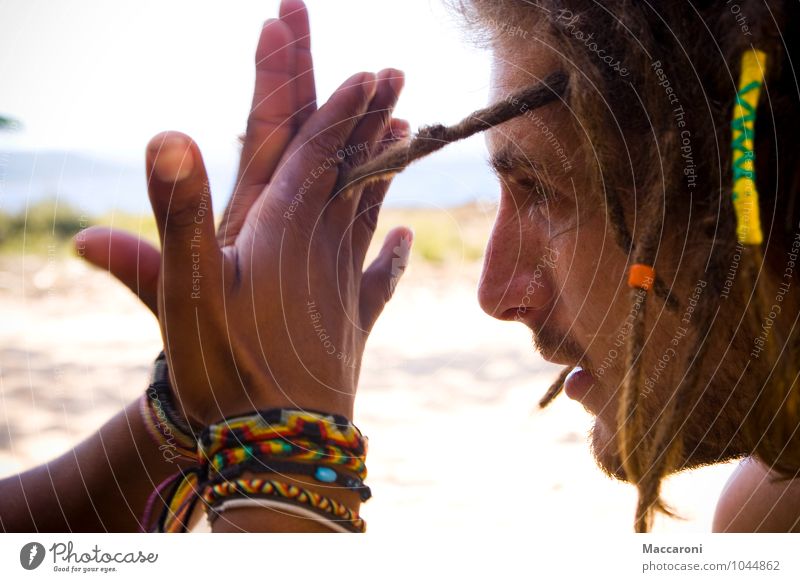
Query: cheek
[[591, 275]]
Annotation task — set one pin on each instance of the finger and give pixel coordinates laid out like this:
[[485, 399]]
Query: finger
[[372, 127], [295, 14], [134, 262], [398, 129], [366, 219], [269, 125], [181, 201], [310, 169], [266, 141], [380, 279], [364, 143]]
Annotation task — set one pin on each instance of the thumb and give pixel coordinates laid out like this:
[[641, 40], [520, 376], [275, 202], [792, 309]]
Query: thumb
[[181, 200], [134, 262], [381, 278]]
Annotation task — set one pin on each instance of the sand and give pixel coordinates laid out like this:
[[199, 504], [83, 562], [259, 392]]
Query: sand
[[75, 346]]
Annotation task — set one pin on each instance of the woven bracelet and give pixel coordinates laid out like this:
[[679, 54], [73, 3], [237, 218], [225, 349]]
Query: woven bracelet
[[267, 488], [326, 447]]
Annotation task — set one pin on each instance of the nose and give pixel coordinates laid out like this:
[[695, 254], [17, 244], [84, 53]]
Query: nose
[[517, 279]]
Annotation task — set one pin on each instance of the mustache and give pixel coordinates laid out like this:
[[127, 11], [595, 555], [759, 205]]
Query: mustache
[[553, 343]]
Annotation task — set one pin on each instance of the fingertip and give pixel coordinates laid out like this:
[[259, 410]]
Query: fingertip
[[295, 14], [369, 84], [292, 8], [171, 157], [276, 36], [399, 128], [403, 232], [88, 240], [395, 77], [399, 241]]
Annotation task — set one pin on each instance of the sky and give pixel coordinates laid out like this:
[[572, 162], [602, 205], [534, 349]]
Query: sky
[[103, 77]]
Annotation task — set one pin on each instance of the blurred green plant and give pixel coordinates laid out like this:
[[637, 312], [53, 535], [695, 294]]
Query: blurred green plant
[[41, 226], [8, 123], [441, 236]]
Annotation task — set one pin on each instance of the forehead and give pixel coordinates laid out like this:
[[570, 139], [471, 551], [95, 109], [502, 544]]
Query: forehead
[[544, 137]]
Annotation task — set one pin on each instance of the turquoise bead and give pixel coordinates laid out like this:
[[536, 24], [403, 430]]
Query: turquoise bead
[[325, 474]]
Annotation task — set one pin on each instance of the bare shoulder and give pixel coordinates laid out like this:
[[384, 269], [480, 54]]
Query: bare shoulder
[[754, 500]]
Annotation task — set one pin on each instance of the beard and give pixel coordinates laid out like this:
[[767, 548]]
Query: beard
[[711, 431], [703, 441]]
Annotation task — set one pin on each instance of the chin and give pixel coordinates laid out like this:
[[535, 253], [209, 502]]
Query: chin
[[701, 446], [604, 449]]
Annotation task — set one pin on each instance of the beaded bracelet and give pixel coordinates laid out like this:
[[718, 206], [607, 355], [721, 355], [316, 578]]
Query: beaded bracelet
[[256, 488], [168, 428], [265, 464]]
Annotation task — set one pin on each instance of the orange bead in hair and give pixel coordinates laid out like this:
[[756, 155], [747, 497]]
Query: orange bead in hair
[[641, 276]]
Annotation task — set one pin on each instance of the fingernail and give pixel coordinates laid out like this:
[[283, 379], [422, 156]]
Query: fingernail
[[174, 161], [369, 84]]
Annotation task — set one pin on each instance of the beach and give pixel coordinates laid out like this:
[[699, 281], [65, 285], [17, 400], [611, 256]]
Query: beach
[[448, 398]]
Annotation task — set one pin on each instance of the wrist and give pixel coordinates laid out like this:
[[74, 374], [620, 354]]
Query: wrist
[[301, 462], [175, 437]]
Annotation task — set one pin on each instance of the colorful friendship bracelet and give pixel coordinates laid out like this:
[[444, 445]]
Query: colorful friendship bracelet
[[284, 423], [255, 488], [323, 446], [745, 194], [321, 473], [300, 450]]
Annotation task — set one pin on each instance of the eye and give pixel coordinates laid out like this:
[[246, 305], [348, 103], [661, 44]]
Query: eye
[[537, 193]]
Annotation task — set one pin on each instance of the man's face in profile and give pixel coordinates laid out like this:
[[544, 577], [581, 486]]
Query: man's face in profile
[[552, 263]]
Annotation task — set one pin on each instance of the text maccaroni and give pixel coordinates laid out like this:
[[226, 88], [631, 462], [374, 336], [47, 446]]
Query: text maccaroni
[[651, 549]]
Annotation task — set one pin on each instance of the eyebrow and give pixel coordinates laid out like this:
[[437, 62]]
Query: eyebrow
[[505, 161]]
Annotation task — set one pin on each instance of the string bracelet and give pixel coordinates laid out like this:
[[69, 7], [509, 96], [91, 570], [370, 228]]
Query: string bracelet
[[165, 424], [249, 459], [249, 489], [277, 505], [327, 447]]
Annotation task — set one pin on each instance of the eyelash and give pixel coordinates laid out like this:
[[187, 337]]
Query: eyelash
[[537, 193]]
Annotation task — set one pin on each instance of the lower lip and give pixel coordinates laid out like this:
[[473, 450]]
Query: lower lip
[[578, 383]]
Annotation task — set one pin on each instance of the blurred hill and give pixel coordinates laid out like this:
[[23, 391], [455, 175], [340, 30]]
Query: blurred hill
[[95, 185]]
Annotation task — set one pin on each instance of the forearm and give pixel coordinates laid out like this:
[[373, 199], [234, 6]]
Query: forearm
[[101, 485]]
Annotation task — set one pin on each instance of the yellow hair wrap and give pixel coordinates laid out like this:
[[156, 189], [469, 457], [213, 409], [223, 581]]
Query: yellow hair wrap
[[745, 195]]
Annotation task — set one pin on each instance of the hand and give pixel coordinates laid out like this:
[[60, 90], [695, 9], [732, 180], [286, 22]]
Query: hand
[[280, 315], [284, 97], [234, 338]]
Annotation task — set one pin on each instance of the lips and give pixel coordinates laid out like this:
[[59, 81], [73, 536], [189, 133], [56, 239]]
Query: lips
[[578, 383]]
